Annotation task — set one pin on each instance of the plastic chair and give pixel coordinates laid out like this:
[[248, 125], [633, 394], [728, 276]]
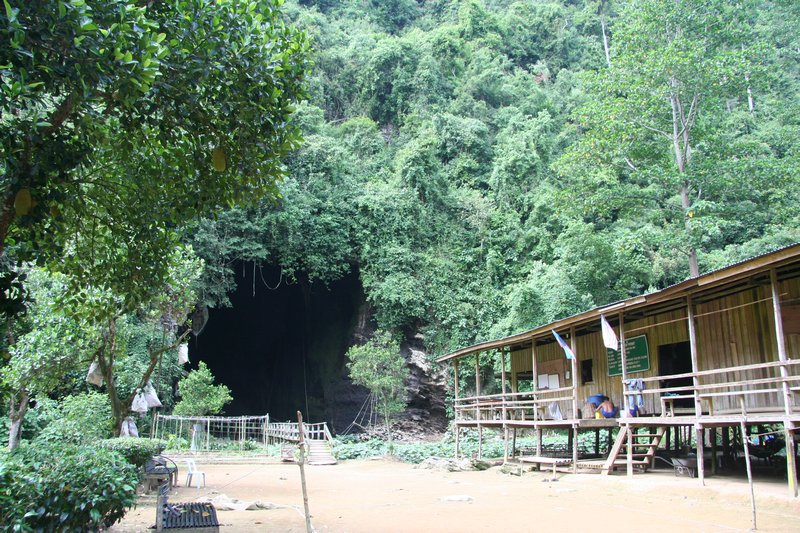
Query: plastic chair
[[192, 472]]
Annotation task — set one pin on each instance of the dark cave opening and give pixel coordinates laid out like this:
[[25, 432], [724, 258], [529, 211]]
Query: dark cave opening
[[282, 349]]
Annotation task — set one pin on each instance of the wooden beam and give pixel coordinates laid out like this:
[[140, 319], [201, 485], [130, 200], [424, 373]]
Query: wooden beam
[[535, 384], [698, 408], [624, 362]]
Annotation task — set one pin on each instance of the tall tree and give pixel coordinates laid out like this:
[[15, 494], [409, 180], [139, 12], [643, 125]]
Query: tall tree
[[673, 67]]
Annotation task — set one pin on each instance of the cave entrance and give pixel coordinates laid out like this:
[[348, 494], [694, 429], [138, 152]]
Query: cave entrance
[[282, 349]]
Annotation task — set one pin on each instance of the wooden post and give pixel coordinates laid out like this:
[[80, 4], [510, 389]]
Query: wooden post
[[159, 510], [538, 442], [575, 449], [574, 362], [791, 454], [504, 410], [535, 380], [745, 445], [630, 449], [713, 437], [300, 462], [477, 407], [208, 434], [514, 443], [480, 441], [455, 403], [726, 445], [791, 469], [624, 362], [698, 408]]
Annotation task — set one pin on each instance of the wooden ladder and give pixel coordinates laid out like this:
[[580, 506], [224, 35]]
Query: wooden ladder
[[643, 452]]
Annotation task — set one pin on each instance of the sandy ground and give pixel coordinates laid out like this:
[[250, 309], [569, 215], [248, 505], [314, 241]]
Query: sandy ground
[[387, 496]]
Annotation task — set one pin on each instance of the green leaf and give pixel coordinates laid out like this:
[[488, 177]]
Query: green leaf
[[11, 14]]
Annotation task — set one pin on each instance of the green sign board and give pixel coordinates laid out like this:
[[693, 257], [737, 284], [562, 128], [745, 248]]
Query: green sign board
[[637, 356]]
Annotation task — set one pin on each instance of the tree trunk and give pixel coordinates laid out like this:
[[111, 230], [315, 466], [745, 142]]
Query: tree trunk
[[694, 269], [681, 143], [121, 408], [605, 40], [17, 411]]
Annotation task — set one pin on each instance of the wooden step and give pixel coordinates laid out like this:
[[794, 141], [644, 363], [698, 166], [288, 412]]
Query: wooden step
[[620, 462], [648, 435], [319, 453]]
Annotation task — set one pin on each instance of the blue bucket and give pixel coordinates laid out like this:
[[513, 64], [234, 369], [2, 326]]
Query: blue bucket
[[596, 399]]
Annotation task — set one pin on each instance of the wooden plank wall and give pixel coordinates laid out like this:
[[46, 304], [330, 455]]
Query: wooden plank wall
[[740, 330], [731, 331]]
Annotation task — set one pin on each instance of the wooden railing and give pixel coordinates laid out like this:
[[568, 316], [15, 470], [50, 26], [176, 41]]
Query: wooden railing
[[288, 431], [534, 405], [515, 406], [722, 389]]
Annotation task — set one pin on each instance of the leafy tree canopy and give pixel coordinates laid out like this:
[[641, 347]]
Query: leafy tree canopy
[[199, 395], [122, 120], [490, 165]]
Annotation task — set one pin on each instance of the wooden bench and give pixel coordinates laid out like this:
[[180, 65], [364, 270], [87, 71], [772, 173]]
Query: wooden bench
[[158, 470], [539, 460]]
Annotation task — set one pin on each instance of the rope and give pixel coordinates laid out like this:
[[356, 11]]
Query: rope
[[280, 279], [368, 411]]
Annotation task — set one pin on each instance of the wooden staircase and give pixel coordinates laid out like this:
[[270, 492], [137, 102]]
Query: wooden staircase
[[319, 452], [644, 446]]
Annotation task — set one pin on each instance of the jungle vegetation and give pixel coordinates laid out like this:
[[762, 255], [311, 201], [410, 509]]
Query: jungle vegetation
[[487, 166]]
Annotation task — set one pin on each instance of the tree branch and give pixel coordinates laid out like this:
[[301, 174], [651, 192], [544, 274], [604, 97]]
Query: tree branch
[[62, 113], [154, 355]]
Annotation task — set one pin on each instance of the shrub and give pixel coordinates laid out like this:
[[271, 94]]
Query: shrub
[[199, 395], [135, 450], [79, 419], [64, 488]]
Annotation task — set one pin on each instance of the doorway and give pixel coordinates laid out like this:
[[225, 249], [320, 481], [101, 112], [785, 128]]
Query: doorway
[[676, 358]]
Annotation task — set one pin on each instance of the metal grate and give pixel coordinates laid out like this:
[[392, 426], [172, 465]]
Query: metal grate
[[188, 515]]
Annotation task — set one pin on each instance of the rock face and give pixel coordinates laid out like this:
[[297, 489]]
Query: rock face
[[426, 391], [425, 414]]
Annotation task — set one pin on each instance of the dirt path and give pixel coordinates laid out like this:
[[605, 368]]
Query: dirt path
[[387, 496]]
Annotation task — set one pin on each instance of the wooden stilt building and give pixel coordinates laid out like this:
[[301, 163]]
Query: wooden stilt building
[[716, 352]]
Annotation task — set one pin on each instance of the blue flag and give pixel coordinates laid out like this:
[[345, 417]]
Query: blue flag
[[567, 350]]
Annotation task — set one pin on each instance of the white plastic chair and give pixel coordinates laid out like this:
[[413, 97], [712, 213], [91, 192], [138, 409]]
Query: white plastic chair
[[192, 471]]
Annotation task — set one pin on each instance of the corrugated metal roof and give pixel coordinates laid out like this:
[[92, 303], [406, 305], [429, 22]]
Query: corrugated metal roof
[[707, 280]]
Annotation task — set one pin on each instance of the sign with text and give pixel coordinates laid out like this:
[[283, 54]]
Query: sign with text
[[637, 355]]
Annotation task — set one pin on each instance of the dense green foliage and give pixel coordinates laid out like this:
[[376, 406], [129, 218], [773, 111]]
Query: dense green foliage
[[135, 450], [122, 119], [492, 446], [199, 395], [64, 488], [120, 122], [486, 167], [76, 419]]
